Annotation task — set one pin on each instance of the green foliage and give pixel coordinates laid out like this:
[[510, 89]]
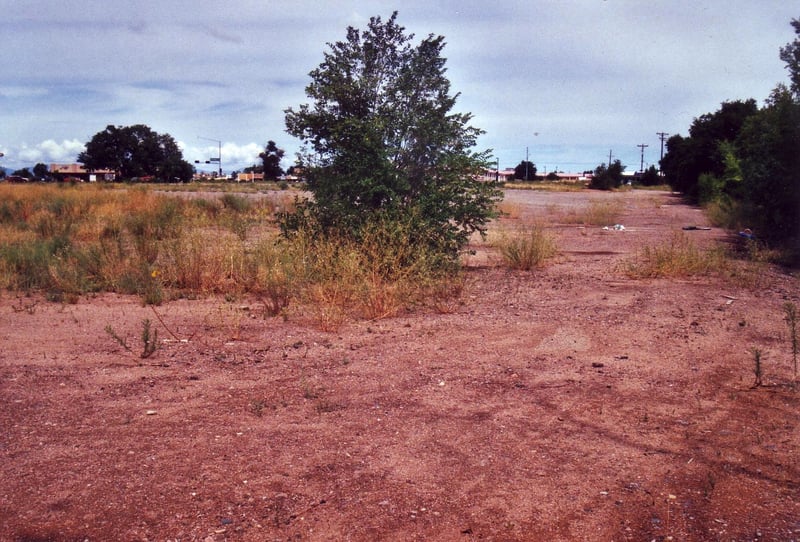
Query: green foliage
[[688, 158], [650, 177], [607, 177], [136, 151], [25, 173], [384, 142], [525, 171], [271, 158], [40, 171], [744, 161], [790, 54], [769, 153]]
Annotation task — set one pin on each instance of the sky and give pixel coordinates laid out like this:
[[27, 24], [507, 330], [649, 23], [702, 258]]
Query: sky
[[561, 82]]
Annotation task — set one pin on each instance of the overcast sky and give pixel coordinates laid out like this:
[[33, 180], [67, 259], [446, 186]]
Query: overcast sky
[[568, 80]]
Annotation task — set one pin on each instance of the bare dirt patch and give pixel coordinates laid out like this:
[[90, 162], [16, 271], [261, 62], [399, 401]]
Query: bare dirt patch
[[568, 403]]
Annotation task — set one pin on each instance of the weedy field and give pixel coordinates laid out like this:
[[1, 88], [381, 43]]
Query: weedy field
[[171, 370]]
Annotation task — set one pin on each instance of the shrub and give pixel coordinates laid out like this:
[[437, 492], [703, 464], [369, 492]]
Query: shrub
[[679, 257], [527, 249]]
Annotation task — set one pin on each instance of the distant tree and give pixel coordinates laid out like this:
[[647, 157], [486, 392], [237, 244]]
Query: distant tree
[[688, 158], [790, 54], [525, 171], [768, 151], [136, 151], [25, 173], [385, 144], [607, 177], [650, 177], [552, 176], [271, 158], [40, 171]]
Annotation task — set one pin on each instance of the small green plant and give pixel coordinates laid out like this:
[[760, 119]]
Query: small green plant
[[149, 339], [110, 330], [790, 311], [757, 369]]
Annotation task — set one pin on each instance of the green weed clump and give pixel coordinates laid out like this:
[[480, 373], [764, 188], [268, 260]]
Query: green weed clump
[[526, 249]]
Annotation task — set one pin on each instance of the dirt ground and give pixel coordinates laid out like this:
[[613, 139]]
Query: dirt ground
[[567, 403]]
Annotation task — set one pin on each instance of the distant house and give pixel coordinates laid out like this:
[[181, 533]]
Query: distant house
[[249, 177], [572, 177], [65, 172], [491, 174]]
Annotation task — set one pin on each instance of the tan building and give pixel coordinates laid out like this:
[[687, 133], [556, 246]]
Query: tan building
[[77, 171]]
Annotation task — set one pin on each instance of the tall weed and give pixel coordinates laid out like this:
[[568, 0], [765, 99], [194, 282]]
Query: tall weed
[[596, 213], [679, 257], [527, 248]]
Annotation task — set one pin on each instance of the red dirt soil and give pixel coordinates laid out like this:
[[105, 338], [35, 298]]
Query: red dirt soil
[[567, 403]]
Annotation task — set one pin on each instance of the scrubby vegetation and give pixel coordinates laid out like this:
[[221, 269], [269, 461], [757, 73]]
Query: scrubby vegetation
[[69, 241], [743, 162]]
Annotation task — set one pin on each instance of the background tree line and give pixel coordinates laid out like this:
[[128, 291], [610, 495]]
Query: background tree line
[[745, 159]]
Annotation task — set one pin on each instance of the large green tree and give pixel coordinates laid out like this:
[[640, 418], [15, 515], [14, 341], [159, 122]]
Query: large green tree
[[381, 139], [790, 54], [768, 150], [136, 151], [687, 158]]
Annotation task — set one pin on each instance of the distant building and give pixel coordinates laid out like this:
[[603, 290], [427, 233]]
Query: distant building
[[491, 174], [64, 172], [249, 177]]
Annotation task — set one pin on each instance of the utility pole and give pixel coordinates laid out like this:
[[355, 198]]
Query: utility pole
[[641, 165], [526, 163], [662, 136], [609, 157]]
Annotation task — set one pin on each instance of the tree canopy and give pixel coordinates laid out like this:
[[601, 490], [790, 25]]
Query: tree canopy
[[525, 171], [136, 151], [689, 157], [271, 158], [609, 176], [381, 139], [748, 158]]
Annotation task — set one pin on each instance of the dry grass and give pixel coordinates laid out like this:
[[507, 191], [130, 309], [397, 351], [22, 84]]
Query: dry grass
[[678, 257], [596, 213], [527, 248], [67, 241]]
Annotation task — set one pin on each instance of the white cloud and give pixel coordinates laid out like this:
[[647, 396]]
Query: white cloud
[[234, 156], [48, 151]]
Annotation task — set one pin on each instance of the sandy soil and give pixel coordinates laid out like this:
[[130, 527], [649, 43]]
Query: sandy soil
[[569, 403]]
